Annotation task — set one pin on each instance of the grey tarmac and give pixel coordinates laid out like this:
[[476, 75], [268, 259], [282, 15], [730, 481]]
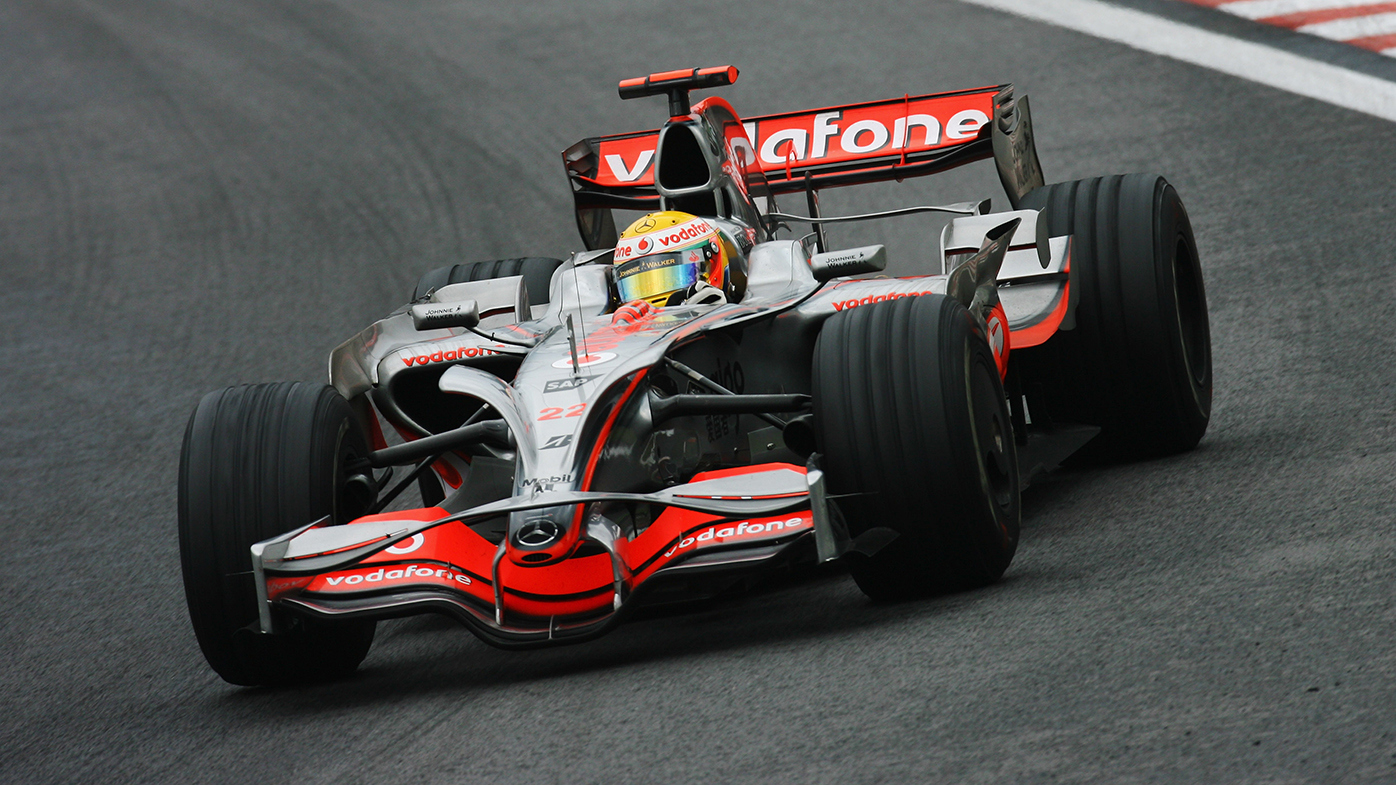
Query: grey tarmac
[[197, 193]]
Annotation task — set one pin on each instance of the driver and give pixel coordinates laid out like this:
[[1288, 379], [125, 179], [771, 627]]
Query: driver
[[673, 258]]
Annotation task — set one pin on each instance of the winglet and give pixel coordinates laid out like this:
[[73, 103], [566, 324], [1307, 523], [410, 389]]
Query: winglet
[[974, 283]]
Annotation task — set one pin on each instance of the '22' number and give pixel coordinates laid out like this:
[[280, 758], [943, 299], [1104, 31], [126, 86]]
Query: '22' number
[[556, 412]]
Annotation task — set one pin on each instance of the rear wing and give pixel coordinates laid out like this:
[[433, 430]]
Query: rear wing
[[869, 142]]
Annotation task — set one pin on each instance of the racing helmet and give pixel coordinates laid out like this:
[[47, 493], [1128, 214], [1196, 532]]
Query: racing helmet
[[665, 255]]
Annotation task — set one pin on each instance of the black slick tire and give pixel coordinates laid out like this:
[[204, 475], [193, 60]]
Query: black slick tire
[[537, 272], [1139, 361], [915, 435], [260, 460]]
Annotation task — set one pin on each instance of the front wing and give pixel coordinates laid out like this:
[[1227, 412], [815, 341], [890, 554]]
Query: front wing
[[427, 560]]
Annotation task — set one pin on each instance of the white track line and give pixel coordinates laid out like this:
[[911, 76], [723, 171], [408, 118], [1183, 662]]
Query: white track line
[[1254, 62]]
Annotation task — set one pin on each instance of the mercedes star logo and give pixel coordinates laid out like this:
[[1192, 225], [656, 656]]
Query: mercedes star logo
[[535, 534]]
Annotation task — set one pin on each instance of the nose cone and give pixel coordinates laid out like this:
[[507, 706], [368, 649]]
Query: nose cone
[[538, 537]]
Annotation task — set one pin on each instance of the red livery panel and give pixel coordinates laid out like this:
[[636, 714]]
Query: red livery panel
[[454, 556], [892, 132]]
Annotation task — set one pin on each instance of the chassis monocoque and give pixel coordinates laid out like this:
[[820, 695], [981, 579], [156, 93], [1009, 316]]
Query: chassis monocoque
[[575, 466]]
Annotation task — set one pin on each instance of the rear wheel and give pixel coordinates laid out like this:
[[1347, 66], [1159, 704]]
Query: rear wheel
[[260, 460], [911, 419], [1139, 361], [537, 272]]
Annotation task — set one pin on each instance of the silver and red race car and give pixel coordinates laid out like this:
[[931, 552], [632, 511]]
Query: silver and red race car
[[577, 461]]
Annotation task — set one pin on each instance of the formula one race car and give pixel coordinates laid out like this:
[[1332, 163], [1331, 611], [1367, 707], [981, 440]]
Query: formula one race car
[[699, 399]]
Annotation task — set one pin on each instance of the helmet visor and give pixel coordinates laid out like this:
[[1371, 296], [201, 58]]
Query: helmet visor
[[651, 276]]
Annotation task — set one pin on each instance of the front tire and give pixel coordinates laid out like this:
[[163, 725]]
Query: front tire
[[914, 428], [258, 461]]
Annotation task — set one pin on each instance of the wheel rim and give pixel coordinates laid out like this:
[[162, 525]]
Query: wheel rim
[[993, 440], [1192, 313], [351, 499]]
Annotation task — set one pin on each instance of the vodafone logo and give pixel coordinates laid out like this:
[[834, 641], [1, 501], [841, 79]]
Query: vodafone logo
[[630, 174], [595, 358], [996, 336], [910, 124], [853, 133], [448, 356], [279, 586], [740, 531], [407, 546], [383, 574], [876, 298], [684, 233], [631, 247], [676, 237], [999, 340]]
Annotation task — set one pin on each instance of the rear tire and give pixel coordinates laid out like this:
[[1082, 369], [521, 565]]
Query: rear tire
[[1139, 361], [537, 272], [258, 461], [911, 419]]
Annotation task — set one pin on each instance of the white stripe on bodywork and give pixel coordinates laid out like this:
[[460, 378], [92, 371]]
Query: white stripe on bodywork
[[1254, 62]]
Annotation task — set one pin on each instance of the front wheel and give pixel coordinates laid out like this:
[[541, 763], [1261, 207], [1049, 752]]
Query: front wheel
[[258, 461], [914, 428]]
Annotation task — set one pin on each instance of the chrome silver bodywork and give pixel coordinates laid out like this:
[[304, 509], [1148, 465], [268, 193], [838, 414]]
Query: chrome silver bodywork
[[604, 501]]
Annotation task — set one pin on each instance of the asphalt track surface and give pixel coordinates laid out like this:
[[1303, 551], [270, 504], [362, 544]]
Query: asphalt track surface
[[196, 194]]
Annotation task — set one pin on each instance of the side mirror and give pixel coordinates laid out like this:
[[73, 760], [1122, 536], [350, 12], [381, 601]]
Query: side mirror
[[493, 297], [441, 316], [853, 261]]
